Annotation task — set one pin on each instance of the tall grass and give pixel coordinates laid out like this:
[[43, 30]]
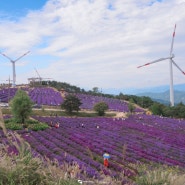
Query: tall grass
[[2, 125], [24, 169], [152, 174]]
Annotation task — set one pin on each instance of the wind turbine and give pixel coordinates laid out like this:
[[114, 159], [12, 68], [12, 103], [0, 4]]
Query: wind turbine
[[13, 65], [171, 61]]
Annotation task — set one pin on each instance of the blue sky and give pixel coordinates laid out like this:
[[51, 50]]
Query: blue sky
[[92, 43], [20, 7]]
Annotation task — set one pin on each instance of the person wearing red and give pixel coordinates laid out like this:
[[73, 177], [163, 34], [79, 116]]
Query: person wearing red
[[106, 157], [57, 125], [106, 162]]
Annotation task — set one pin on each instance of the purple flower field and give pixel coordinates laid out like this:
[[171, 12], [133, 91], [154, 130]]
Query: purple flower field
[[146, 137], [45, 96], [51, 97]]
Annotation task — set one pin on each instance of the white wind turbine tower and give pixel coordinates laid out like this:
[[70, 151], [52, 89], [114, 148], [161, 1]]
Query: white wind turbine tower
[[171, 61], [13, 65]]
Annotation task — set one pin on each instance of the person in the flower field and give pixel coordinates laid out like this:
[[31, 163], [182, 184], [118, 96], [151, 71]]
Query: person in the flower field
[[106, 157], [51, 124], [57, 125], [106, 162]]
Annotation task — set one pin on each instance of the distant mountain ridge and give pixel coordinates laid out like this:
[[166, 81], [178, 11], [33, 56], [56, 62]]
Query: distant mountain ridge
[[159, 93], [134, 91], [164, 97], [162, 94]]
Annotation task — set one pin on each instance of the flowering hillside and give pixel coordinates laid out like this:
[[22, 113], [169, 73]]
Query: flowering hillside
[[142, 138], [49, 96]]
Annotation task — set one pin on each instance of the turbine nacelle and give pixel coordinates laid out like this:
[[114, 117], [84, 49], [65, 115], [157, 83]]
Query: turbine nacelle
[[172, 56]]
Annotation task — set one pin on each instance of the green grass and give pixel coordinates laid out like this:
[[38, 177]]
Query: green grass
[[59, 112]]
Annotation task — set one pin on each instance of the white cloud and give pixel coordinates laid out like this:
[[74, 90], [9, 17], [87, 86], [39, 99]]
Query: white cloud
[[98, 42]]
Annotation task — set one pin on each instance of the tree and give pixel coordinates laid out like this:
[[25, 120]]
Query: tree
[[168, 111], [131, 106], [95, 89], [180, 110], [100, 108], [21, 106], [157, 109], [71, 103]]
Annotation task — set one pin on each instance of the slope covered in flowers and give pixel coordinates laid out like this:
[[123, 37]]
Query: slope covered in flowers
[[51, 97], [145, 138]]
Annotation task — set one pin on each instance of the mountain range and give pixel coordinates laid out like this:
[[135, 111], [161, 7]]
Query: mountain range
[[159, 93]]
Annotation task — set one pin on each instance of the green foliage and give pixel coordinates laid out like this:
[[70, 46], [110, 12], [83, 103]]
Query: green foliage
[[10, 120], [177, 111], [143, 101], [30, 124], [13, 126], [38, 126], [100, 108], [62, 85], [21, 106], [180, 110], [167, 111], [131, 106], [32, 121], [71, 103], [95, 90], [157, 109]]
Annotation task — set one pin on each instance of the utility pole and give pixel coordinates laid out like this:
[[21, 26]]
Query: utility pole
[[8, 89]]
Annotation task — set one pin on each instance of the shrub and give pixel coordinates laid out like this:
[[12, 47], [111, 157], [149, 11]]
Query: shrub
[[39, 126], [13, 126], [100, 108], [31, 121], [71, 103]]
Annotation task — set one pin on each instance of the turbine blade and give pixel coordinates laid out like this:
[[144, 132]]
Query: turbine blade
[[6, 56], [154, 62], [22, 56], [178, 67], [171, 50]]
